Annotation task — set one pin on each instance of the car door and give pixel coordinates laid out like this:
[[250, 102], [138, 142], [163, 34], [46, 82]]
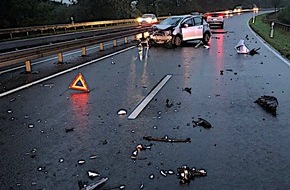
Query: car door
[[198, 28], [192, 29], [187, 29]]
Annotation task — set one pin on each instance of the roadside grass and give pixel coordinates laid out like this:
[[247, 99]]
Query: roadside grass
[[281, 39]]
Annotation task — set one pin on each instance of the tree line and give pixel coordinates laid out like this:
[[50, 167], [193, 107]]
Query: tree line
[[21, 13]]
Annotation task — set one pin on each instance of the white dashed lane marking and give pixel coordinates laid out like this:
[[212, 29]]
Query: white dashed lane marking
[[149, 97]]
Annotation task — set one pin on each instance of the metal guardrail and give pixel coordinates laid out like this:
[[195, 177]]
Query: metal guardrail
[[12, 33], [285, 27], [12, 45], [26, 55], [277, 24]]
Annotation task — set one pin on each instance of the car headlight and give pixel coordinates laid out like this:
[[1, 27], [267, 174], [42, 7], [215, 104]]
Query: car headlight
[[139, 19]]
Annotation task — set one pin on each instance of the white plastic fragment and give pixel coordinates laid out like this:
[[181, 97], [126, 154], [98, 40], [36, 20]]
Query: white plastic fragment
[[93, 174], [206, 46], [141, 186], [197, 45], [241, 48], [81, 162], [163, 173], [122, 112], [93, 157]]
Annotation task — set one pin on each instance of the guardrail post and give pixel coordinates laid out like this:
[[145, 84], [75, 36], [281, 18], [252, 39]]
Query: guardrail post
[[126, 40], [272, 30], [101, 46], [28, 66], [60, 58], [115, 43], [84, 51]]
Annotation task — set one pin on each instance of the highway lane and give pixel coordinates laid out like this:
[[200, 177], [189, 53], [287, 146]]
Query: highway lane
[[247, 148]]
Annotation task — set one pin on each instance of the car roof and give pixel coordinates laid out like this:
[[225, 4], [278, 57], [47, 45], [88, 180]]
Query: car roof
[[184, 16]]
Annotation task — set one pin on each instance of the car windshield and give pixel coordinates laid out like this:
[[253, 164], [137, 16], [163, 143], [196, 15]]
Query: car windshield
[[147, 16], [171, 21]]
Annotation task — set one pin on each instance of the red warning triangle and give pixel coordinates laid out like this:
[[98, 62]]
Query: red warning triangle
[[79, 83]]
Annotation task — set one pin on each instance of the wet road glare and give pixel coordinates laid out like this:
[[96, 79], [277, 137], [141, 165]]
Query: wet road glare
[[52, 137]]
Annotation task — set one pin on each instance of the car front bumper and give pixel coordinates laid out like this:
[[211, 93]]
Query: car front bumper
[[161, 39]]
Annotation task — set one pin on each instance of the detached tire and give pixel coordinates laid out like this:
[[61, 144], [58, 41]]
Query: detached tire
[[177, 41], [206, 38]]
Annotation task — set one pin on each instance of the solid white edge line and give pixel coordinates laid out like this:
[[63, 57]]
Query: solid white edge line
[[148, 98], [269, 47], [62, 72]]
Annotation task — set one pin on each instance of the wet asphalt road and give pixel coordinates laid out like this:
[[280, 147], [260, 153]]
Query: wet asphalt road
[[247, 148]]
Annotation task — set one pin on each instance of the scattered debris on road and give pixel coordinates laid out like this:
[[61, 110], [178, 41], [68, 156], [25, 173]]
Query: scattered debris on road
[[198, 44], [186, 89], [186, 174], [254, 51], [92, 174], [201, 122], [81, 162], [92, 186], [122, 112], [164, 173], [166, 139], [206, 46], [241, 48], [269, 103], [138, 149], [168, 103], [69, 129], [50, 85]]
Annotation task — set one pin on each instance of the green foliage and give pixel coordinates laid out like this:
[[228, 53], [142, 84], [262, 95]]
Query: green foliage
[[284, 15], [19, 13], [281, 40]]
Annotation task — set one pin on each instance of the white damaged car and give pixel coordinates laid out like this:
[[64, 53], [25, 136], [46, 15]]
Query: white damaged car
[[178, 29]]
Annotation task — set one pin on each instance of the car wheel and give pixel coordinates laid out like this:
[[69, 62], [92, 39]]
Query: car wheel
[[206, 38], [177, 41]]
